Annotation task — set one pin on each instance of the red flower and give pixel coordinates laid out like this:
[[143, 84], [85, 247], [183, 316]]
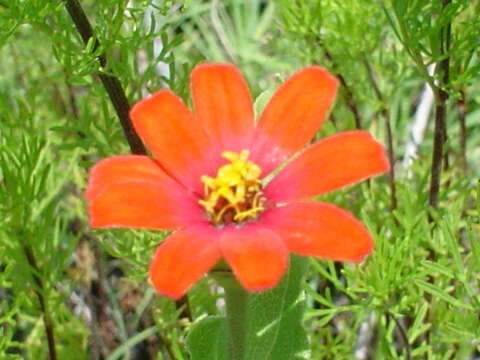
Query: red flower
[[208, 180]]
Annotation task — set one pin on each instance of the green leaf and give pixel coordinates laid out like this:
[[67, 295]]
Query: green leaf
[[262, 100], [130, 343], [274, 330], [442, 294], [273, 323], [206, 339]]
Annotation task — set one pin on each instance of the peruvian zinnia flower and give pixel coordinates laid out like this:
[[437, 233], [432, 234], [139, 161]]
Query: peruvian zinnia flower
[[234, 188]]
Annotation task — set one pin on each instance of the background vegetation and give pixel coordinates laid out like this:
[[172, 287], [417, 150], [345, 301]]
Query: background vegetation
[[409, 74]]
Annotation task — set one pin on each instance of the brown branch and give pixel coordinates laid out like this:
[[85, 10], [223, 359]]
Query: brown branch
[[442, 72], [352, 105], [403, 335], [388, 134], [111, 83], [117, 96], [98, 301], [72, 101], [40, 293], [441, 98]]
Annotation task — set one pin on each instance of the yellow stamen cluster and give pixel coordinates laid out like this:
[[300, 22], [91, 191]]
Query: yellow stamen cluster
[[234, 195]]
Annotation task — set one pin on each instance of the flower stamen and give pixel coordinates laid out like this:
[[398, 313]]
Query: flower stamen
[[235, 194]]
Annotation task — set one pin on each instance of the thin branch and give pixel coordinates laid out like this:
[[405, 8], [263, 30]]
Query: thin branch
[[72, 101], [441, 98], [40, 293], [440, 132], [403, 335], [388, 134], [333, 120], [111, 83], [352, 105], [462, 114], [98, 301], [117, 96]]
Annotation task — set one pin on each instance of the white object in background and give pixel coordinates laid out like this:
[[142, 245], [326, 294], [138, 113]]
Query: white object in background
[[161, 68], [419, 124]]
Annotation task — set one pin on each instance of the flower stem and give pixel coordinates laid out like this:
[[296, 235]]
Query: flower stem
[[236, 300]]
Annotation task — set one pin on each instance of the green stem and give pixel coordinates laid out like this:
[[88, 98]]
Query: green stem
[[40, 292], [236, 300], [462, 115]]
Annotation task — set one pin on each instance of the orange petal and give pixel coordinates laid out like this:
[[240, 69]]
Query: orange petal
[[122, 168], [293, 115], [223, 104], [258, 257], [330, 164], [170, 131], [319, 229], [133, 191], [182, 259]]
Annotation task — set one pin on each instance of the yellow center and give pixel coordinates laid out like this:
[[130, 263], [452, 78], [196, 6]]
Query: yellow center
[[235, 194]]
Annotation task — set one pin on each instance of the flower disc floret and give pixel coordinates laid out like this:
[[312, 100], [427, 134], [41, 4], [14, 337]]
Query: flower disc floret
[[235, 194]]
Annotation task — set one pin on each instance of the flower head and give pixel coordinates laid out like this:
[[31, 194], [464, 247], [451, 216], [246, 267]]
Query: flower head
[[206, 180]]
